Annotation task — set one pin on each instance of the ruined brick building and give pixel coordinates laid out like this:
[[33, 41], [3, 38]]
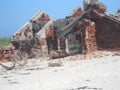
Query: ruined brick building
[[81, 31]]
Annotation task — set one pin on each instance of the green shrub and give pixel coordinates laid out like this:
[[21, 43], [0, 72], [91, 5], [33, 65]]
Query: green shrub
[[5, 41]]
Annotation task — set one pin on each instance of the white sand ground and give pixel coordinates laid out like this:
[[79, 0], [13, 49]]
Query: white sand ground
[[101, 73]]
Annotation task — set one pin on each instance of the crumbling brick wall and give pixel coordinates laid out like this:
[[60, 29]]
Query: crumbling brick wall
[[88, 30], [108, 33], [6, 53]]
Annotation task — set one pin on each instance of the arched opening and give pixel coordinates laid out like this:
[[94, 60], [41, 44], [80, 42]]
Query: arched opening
[[49, 44]]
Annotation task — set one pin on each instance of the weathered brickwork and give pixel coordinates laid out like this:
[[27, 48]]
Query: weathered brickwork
[[82, 31]]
